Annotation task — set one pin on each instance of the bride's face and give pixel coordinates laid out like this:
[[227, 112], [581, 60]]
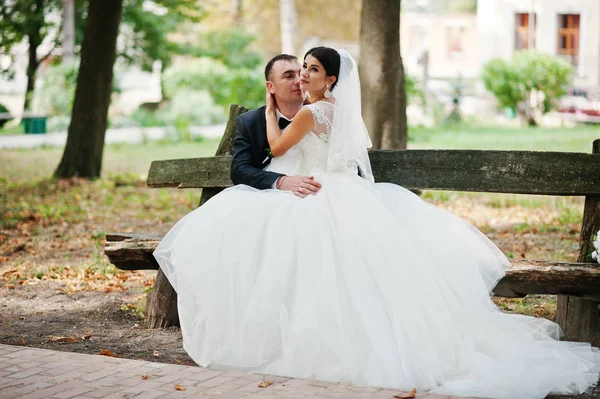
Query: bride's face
[[313, 77]]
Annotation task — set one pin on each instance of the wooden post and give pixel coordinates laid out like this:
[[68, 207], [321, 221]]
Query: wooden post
[[580, 318], [161, 308]]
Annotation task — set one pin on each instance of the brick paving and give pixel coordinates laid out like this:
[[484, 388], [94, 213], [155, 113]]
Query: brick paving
[[33, 373]]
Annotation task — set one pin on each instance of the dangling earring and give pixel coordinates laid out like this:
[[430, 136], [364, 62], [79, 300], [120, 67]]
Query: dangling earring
[[327, 93]]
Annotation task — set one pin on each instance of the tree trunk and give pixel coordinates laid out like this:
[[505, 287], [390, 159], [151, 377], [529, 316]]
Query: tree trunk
[[382, 74], [68, 30], [580, 318], [236, 12], [162, 303], [85, 141], [288, 26], [35, 39], [32, 67]]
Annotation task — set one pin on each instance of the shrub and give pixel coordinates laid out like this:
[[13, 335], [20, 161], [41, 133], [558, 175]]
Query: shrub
[[529, 83]]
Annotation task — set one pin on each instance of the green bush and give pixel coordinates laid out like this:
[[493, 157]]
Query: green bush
[[57, 91], [230, 48], [225, 85], [190, 107], [529, 83]]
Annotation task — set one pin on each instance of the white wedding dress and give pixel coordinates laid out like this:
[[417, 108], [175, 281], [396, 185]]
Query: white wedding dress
[[361, 283]]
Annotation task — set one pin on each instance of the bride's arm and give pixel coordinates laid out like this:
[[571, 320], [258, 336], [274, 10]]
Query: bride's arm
[[281, 141]]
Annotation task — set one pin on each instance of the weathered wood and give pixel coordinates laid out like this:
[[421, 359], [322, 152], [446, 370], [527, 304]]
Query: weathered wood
[[162, 302], [519, 172], [523, 278], [161, 308], [580, 318], [132, 251]]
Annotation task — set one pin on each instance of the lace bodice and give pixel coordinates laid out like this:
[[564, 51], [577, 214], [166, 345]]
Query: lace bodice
[[314, 145], [310, 154]]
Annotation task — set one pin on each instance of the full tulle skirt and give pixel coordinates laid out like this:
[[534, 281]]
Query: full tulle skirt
[[361, 283]]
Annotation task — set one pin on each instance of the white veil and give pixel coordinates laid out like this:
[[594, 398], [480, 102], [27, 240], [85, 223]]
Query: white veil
[[349, 138]]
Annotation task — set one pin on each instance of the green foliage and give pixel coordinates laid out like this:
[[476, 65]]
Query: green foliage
[[231, 47], [225, 85], [25, 19], [57, 91], [146, 30], [528, 76], [413, 91], [189, 107]]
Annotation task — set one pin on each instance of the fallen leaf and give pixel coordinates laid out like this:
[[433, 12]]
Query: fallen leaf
[[64, 339], [22, 317], [106, 352], [10, 286], [411, 394], [86, 337], [155, 353], [179, 387], [144, 376], [265, 384], [22, 341]]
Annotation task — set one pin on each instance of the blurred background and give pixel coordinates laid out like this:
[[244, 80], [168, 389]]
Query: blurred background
[[180, 68]]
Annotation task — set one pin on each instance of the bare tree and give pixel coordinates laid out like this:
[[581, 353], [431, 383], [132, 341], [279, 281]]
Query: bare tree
[[382, 74], [85, 140], [289, 26]]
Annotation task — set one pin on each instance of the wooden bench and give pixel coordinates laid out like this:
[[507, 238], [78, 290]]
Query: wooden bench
[[518, 172]]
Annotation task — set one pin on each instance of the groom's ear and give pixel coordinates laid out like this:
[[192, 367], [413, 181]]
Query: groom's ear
[[270, 87]]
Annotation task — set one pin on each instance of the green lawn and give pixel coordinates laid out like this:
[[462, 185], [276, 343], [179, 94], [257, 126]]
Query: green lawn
[[30, 164], [578, 139]]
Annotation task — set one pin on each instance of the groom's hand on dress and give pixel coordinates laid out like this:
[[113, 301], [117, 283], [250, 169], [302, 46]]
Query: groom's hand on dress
[[301, 186]]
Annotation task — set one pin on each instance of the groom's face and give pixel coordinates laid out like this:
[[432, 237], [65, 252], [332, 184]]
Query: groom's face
[[284, 82]]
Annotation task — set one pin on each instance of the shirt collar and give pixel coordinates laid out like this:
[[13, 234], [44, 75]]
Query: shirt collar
[[280, 115]]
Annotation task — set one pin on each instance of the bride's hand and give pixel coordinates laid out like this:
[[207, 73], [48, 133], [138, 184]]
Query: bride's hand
[[270, 103]]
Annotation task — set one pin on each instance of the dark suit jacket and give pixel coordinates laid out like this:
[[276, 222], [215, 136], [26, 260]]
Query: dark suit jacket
[[249, 151]]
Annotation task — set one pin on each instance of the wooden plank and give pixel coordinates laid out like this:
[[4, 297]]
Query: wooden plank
[[519, 172], [523, 278]]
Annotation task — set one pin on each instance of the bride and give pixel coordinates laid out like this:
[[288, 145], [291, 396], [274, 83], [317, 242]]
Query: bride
[[362, 282]]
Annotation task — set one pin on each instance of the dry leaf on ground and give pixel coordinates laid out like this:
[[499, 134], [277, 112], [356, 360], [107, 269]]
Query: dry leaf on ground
[[22, 341], [265, 384], [179, 387], [144, 376], [86, 337], [411, 394], [106, 352], [155, 353], [63, 339]]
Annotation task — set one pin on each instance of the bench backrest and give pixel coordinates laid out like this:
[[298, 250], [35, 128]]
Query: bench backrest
[[519, 172]]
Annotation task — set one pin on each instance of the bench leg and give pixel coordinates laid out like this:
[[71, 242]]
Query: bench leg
[[579, 319], [161, 309]]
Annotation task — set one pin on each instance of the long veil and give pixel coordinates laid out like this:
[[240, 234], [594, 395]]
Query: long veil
[[349, 138]]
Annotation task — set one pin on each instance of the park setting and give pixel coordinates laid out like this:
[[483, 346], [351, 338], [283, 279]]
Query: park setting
[[119, 117]]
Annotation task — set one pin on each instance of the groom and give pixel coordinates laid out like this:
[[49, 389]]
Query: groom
[[250, 148]]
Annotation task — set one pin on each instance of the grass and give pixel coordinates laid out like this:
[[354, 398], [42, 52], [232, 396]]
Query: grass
[[119, 159], [577, 139]]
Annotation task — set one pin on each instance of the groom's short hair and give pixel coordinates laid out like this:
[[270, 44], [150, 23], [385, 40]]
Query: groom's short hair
[[284, 57]]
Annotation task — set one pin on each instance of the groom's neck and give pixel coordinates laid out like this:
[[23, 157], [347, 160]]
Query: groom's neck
[[289, 110]]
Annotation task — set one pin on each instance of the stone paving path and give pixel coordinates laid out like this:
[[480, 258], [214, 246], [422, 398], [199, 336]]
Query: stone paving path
[[39, 373]]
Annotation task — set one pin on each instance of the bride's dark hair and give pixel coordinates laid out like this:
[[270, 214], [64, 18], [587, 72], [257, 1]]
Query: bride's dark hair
[[329, 58]]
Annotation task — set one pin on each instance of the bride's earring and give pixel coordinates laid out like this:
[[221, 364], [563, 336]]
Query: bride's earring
[[327, 93]]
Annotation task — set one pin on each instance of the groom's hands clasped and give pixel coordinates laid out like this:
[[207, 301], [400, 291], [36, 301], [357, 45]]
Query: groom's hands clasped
[[301, 186]]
